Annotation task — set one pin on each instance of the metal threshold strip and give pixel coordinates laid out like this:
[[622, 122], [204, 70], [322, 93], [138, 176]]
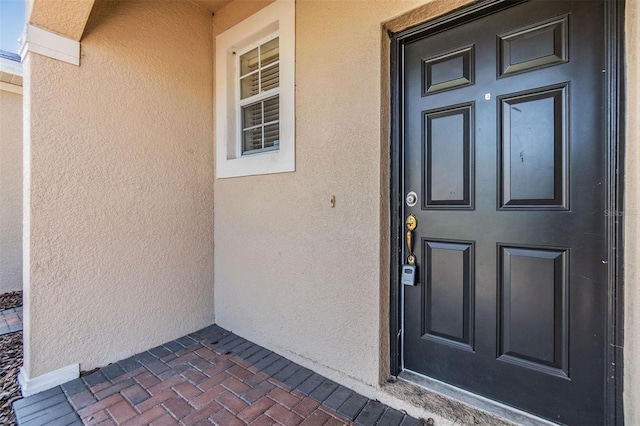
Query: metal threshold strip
[[494, 408]]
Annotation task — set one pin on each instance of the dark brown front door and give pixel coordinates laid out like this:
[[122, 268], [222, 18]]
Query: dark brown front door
[[503, 138]]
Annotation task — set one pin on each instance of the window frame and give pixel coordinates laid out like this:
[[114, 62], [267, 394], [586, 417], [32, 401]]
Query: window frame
[[274, 20]]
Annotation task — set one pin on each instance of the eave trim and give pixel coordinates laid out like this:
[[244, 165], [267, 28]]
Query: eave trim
[[7, 87], [46, 43]]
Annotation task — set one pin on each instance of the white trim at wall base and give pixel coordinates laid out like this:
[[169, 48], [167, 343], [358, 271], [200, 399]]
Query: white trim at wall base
[[10, 88], [47, 381], [52, 45]]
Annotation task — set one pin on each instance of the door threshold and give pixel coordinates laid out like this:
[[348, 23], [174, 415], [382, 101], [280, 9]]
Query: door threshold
[[494, 408]]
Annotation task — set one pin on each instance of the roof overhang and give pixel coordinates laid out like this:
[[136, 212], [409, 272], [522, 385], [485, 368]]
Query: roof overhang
[[10, 75], [66, 18], [54, 28]]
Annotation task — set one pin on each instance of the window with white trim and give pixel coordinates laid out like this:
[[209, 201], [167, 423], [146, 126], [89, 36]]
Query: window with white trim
[[255, 83]]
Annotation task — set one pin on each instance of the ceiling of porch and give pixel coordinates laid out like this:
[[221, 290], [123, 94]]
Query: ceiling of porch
[[212, 5]]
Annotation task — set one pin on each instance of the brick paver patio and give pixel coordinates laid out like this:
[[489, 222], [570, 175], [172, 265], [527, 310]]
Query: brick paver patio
[[209, 377]]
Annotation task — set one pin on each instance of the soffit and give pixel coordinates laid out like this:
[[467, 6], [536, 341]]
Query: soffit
[[10, 68], [212, 5], [9, 78], [69, 17], [64, 17]]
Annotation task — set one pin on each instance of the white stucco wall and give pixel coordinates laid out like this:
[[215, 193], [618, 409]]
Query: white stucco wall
[[632, 220], [304, 279], [119, 252], [10, 191], [292, 273]]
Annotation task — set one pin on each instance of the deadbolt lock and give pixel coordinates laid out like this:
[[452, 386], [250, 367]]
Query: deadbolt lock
[[411, 199]]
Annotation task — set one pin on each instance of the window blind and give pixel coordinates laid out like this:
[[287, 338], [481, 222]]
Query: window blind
[[259, 98]]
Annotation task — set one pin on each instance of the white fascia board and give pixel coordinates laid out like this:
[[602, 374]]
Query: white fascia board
[[46, 43], [10, 88], [47, 381]]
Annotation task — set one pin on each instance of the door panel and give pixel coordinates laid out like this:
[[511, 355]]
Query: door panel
[[449, 286], [448, 152], [503, 141], [448, 71], [533, 152], [533, 308], [538, 45]]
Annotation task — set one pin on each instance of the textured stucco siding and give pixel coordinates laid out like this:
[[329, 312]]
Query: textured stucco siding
[[317, 287], [292, 273], [10, 192], [119, 255], [632, 219], [120, 195]]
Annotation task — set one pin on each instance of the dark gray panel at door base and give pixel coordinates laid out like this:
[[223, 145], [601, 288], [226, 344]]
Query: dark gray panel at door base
[[534, 150], [448, 71], [541, 45], [533, 308], [448, 170], [448, 293]]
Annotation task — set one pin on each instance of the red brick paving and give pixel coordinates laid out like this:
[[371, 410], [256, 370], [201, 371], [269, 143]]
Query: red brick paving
[[155, 400], [96, 418], [135, 394], [317, 418], [231, 402], [257, 392], [240, 372], [254, 411], [147, 379], [147, 417], [305, 407], [187, 391], [195, 376], [99, 406], [213, 377], [263, 420], [165, 420], [235, 386], [121, 412], [287, 399], [201, 386], [224, 417], [283, 415]]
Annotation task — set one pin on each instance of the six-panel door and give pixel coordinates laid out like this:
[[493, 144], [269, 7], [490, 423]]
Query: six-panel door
[[503, 143]]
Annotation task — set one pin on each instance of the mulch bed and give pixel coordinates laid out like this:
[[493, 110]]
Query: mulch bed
[[10, 362]]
